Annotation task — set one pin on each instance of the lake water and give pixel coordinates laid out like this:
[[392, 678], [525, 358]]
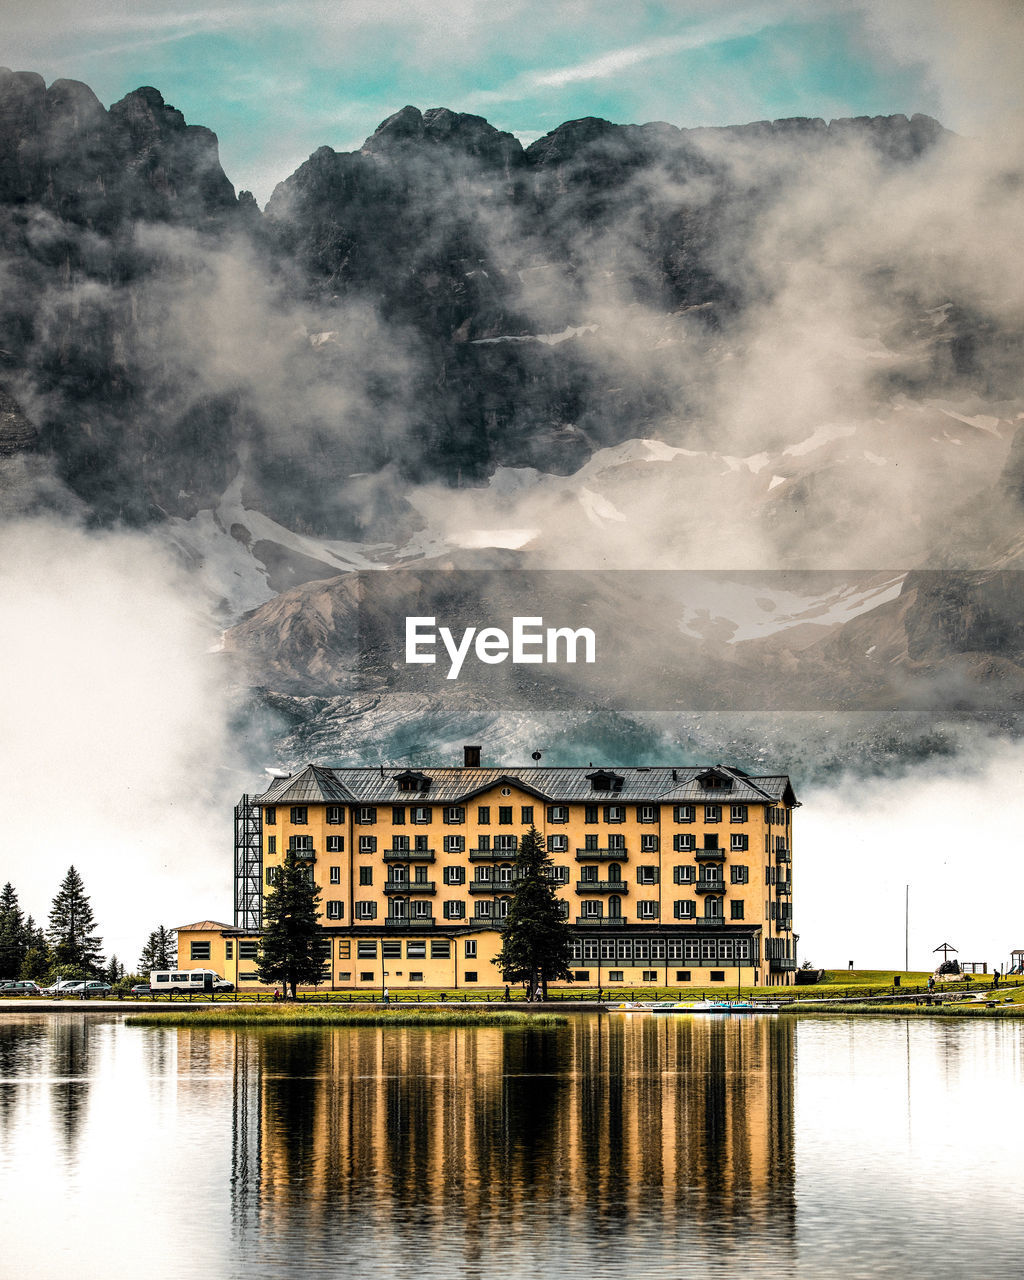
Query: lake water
[[673, 1146]]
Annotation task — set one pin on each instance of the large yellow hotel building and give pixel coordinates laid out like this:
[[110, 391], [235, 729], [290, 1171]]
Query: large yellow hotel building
[[667, 875]]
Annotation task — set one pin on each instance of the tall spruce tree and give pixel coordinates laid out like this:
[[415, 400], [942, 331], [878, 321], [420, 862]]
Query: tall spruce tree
[[13, 938], [38, 960], [73, 944], [290, 952], [536, 944], [160, 951]]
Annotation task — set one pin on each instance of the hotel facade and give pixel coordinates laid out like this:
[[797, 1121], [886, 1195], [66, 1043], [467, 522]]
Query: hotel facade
[[668, 876]]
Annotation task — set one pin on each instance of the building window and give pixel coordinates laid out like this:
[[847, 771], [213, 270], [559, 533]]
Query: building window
[[398, 815], [299, 815], [647, 910], [416, 950], [271, 844], [421, 910], [366, 815], [505, 874], [335, 814], [441, 949], [735, 909], [422, 844], [712, 813], [682, 875], [229, 950], [684, 813], [366, 874], [649, 975], [335, 909], [592, 909], [335, 844], [469, 975], [558, 844], [648, 844], [615, 813], [738, 842], [367, 977], [483, 815], [589, 813], [505, 815], [558, 875], [682, 975], [526, 815], [421, 814], [590, 842], [647, 875], [454, 875], [455, 814], [273, 875], [682, 843], [646, 813], [470, 949], [684, 909], [454, 910], [616, 841], [501, 906], [366, 911], [717, 975], [199, 951], [738, 875], [335, 875], [367, 844], [415, 975], [483, 910], [397, 875], [366, 951], [738, 813], [399, 844], [582, 975], [248, 950], [454, 844], [506, 843], [558, 813], [616, 975], [390, 949], [300, 844]]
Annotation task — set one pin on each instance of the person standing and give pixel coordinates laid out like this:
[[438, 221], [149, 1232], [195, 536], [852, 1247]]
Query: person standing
[[387, 996]]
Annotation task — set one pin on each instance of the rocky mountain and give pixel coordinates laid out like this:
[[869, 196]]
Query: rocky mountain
[[768, 375]]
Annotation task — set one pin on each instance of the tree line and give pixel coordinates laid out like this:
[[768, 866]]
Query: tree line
[[69, 946]]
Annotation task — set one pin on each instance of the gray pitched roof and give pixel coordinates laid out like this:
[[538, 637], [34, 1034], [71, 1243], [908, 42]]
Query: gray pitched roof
[[663, 783]]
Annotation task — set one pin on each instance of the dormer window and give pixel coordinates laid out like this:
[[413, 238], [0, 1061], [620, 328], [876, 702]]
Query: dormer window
[[412, 780], [605, 780], [714, 780]]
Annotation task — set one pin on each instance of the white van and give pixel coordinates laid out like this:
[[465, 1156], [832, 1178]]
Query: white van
[[178, 981]]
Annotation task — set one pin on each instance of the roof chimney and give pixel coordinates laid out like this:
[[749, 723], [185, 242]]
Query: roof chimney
[[471, 757]]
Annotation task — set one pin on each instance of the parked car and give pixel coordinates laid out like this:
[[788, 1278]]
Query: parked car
[[141, 989], [61, 987], [222, 984], [87, 989], [26, 988]]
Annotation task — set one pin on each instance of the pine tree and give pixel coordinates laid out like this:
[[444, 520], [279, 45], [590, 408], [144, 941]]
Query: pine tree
[[73, 944], [290, 952], [38, 960], [160, 951], [536, 944], [114, 971], [13, 940]]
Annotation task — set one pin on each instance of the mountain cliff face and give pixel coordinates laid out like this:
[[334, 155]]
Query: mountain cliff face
[[788, 345]]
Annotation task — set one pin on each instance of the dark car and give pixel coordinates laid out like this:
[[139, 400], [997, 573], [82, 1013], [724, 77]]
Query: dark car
[[20, 989], [141, 989]]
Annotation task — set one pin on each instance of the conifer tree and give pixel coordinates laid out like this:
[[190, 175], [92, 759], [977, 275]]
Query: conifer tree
[[73, 944], [13, 940], [536, 944], [290, 950], [37, 961], [160, 951]]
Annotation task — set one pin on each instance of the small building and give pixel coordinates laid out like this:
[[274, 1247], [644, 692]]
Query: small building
[[668, 875]]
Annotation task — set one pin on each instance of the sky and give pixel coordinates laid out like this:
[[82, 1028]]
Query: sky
[[143, 735], [275, 79]]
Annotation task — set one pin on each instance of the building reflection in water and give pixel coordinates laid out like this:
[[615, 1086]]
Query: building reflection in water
[[673, 1134]]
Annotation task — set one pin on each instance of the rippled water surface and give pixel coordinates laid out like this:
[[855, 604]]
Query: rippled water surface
[[644, 1147]]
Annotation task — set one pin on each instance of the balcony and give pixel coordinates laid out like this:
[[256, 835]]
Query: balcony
[[783, 855], [779, 964], [709, 886], [602, 886], [408, 923], [714, 921], [602, 855], [784, 886], [491, 886], [304, 855], [604, 922], [493, 855], [709, 855], [783, 926], [408, 855], [412, 887]]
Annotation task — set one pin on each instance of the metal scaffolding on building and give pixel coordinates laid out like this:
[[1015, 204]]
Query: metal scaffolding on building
[[248, 865]]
